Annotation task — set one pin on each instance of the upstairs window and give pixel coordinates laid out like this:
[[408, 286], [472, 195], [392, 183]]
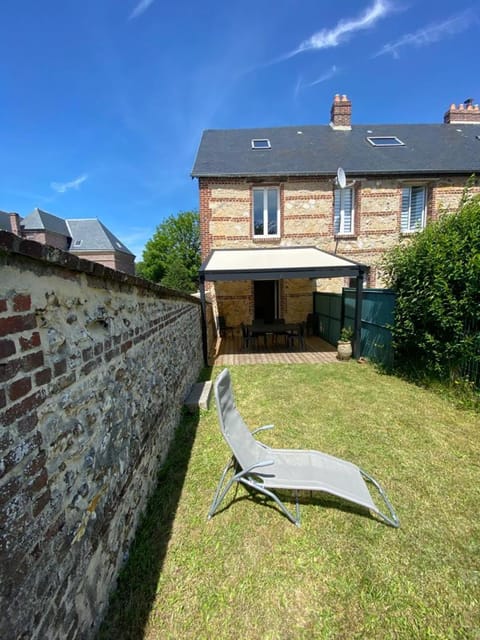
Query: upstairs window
[[343, 216], [413, 209], [266, 212]]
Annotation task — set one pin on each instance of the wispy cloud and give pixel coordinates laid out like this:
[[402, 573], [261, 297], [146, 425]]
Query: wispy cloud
[[62, 187], [141, 7], [327, 38], [323, 78], [430, 34]]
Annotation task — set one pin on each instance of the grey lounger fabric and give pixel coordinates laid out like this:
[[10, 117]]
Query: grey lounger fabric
[[268, 470]]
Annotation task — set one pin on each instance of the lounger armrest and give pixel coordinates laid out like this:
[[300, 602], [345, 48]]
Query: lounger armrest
[[267, 426], [266, 463]]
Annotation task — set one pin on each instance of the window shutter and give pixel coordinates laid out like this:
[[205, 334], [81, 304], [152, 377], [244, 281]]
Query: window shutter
[[347, 211], [337, 211], [405, 209]]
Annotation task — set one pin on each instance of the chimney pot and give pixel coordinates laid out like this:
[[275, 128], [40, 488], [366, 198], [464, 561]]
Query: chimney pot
[[341, 113], [465, 113]]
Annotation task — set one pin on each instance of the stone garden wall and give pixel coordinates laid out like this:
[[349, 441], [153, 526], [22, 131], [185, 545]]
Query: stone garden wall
[[94, 368]]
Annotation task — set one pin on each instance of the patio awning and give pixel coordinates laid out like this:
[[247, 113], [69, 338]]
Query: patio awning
[[277, 264]]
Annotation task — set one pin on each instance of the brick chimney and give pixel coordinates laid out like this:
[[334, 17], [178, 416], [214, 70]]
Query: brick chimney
[[341, 113], [465, 113], [15, 224]]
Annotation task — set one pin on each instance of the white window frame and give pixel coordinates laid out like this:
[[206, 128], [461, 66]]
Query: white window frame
[[265, 191], [406, 225], [341, 194]]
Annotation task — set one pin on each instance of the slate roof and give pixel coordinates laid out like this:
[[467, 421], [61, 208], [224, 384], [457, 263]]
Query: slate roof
[[320, 150], [89, 234], [40, 220]]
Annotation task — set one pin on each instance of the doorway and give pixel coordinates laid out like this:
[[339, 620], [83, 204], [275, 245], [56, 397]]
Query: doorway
[[266, 299]]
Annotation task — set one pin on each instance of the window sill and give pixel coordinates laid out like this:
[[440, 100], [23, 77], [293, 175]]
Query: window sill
[[260, 239], [345, 236]]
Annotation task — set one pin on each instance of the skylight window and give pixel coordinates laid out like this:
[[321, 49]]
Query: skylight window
[[385, 141], [77, 243], [261, 143]]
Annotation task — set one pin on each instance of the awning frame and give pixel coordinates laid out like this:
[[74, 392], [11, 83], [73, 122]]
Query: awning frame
[[350, 269]]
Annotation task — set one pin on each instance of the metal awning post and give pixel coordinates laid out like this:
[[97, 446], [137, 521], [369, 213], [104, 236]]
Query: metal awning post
[[358, 317], [204, 319]]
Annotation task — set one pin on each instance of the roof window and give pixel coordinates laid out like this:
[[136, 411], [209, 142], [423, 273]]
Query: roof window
[[385, 141], [77, 243], [261, 143]]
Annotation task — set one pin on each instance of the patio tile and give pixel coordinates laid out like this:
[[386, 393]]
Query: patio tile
[[230, 351]]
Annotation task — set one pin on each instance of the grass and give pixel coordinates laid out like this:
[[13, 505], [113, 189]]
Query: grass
[[250, 574]]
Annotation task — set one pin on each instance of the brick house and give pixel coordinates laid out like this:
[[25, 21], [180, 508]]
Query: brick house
[[86, 238], [266, 190]]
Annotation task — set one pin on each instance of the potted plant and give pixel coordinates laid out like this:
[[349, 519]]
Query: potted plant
[[344, 345]]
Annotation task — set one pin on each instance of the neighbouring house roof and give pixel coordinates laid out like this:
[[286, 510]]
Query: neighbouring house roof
[[5, 224], [320, 150], [90, 234], [277, 263], [40, 220]]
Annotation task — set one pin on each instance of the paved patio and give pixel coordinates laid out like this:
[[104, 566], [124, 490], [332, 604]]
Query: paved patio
[[230, 351]]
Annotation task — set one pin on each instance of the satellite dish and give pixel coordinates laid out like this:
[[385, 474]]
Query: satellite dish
[[341, 178]]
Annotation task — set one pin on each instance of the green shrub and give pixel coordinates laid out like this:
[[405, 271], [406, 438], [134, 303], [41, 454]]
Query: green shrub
[[436, 276]]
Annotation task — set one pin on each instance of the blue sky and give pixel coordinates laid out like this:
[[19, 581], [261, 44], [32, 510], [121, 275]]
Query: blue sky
[[103, 102]]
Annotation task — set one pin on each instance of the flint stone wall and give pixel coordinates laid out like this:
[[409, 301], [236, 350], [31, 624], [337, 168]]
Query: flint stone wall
[[94, 369]]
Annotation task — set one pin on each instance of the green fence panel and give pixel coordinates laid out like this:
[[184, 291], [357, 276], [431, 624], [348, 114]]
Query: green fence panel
[[378, 305], [378, 308], [328, 311]]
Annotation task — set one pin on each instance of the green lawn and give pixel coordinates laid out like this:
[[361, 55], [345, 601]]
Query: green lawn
[[250, 574]]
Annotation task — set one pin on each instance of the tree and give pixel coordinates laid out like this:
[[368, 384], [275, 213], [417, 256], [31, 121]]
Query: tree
[[436, 276], [172, 256]]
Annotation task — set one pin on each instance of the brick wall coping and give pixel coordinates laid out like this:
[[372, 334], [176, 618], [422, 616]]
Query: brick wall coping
[[13, 244]]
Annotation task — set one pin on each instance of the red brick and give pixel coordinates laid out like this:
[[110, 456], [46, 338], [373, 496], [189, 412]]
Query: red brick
[[22, 302], [43, 377], [23, 407], [15, 324], [126, 346], [35, 465], [7, 348], [30, 343], [41, 503], [87, 354], [32, 361], [19, 388], [3, 305], [9, 370], [3, 398], [37, 483], [59, 367]]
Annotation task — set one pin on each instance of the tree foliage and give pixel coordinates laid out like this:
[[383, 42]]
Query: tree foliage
[[172, 256], [436, 276]]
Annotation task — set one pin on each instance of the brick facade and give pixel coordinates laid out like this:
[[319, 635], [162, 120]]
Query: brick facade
[[306, 218]]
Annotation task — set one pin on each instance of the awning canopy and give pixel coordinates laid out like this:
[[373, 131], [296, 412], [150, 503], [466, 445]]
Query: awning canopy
[[277, 264]]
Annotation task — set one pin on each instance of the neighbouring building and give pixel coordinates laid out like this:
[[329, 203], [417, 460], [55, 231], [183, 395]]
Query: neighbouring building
[[86, 238], [349, 191]]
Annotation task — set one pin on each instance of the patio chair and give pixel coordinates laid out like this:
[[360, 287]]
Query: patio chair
[[265, 470], [223, 329]]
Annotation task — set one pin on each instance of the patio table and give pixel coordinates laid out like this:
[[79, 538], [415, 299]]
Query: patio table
[[258, 329]]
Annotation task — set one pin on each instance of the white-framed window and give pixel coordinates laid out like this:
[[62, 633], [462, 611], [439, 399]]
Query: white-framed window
[[343, 212], [414, 204], [266, 211]]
